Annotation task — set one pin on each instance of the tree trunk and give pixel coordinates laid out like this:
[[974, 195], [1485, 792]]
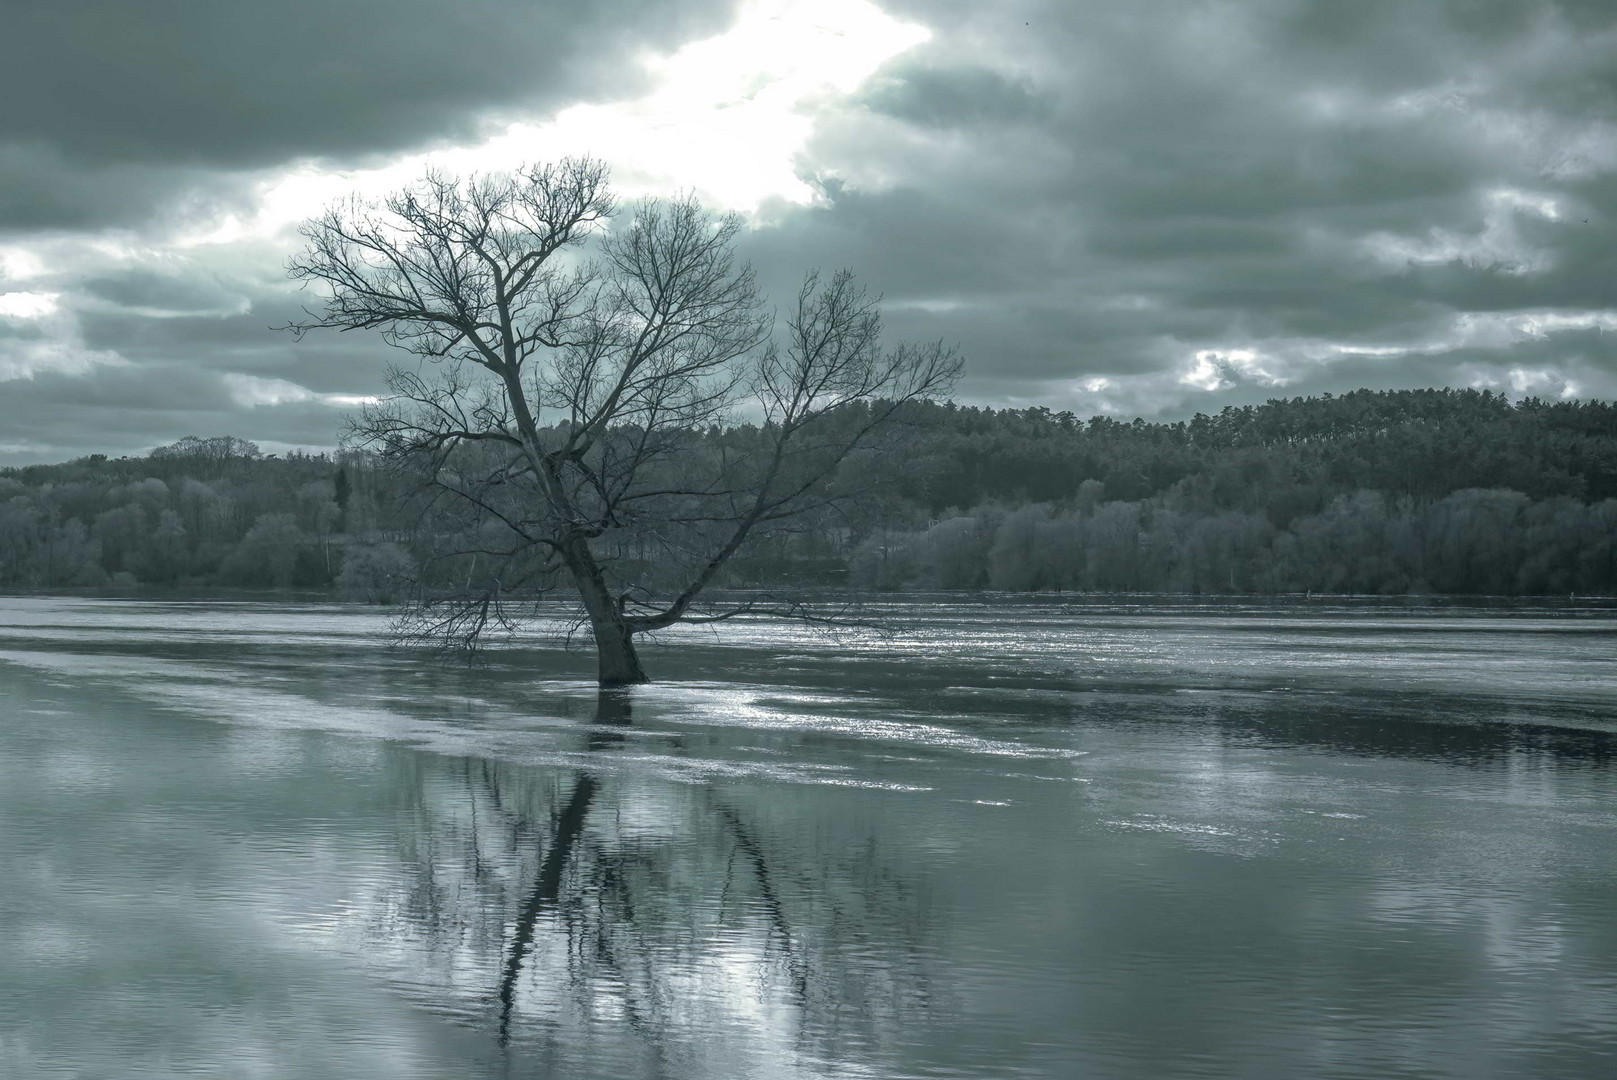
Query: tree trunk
[[618, 663]]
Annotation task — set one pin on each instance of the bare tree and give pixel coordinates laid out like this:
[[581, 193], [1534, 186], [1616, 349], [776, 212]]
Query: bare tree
[[607, 404]]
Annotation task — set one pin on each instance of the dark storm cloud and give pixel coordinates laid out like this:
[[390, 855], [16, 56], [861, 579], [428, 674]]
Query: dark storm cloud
[[1137, 206], [107, 108], [956, 97], [245, 344], [46, 189], [172, 294], [137, 388], [13, 330], [164, 114], [1108, 188], [128, 410]]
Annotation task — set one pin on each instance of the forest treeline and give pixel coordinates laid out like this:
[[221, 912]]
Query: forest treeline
[[198, 513], [1456, 491]]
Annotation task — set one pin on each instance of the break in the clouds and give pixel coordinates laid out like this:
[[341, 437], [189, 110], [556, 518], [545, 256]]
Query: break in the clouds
[[1127, 207]]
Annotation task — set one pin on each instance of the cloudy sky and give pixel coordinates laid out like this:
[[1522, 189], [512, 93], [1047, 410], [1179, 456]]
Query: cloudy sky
[[1128, 207]]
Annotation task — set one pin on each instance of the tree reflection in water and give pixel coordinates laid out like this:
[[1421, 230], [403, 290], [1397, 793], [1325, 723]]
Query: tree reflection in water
[[606, 922]]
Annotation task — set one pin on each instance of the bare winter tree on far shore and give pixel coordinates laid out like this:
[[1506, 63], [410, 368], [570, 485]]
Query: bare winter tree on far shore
[[576, 360]]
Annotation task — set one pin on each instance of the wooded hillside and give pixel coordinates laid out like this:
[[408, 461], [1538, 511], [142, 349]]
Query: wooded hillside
[[1397, 491]]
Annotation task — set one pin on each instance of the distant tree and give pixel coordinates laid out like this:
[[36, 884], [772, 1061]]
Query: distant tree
[[1015, 561], [212, 457], [1346, 548], [20, 526], [1115, 562], [164, 555], [376, 574], [953, 554], [122, 533], [1555, 534], [573, 401], [1058, 544], [68, 556], [340, 494], [885, 559], [1473, 540], [267, 555], [1219, 552], [1597, 558]]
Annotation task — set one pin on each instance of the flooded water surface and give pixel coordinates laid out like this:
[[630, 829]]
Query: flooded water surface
[[1012, 839]]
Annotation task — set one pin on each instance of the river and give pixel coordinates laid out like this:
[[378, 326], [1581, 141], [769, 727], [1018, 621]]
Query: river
[[1010, 838]]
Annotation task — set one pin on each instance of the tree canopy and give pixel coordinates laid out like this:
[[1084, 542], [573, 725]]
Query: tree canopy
[[574, 357]]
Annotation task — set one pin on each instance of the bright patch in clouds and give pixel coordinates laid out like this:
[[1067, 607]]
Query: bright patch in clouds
[[727, 119], [18, 264], [25, 359], [1522, 381], [732, 112], [931, 307], [1498, 244], [1488, 330], [27, 305], [1214, 369], [53, 343], [251, 391], [1205, 374]]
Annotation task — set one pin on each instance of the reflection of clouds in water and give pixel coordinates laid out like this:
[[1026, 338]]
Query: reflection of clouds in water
[[1504, 933], [140, 922], [48, 942]]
